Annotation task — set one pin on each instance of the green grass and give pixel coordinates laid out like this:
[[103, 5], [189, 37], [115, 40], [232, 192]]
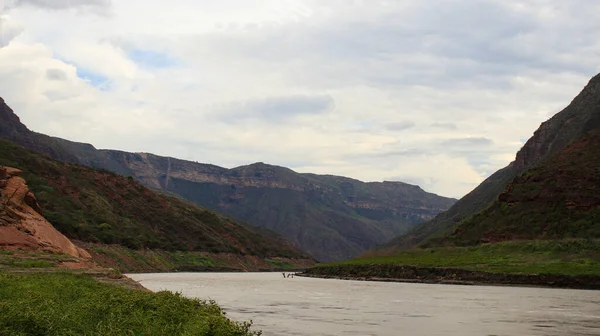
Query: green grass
[[568, 257], [279, 264], [33, 264], [68, 304], [19, 262], [128, 260], [190, 259]]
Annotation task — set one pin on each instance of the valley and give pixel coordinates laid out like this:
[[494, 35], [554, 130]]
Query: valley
[[312, 168], [330, 217], [534, 222]]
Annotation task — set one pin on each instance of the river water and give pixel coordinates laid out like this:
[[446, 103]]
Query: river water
[[319, 307]]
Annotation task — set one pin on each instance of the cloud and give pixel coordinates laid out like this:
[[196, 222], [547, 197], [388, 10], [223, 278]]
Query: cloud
[[400, 126], [65, 4], [9, 30], [56, 74], [276, 109], [445, 125], [467, 142], [440, 92]]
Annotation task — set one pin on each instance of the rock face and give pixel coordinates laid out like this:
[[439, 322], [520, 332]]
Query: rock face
[[22, 226], [568, 126], [331, 217], [104, 209]]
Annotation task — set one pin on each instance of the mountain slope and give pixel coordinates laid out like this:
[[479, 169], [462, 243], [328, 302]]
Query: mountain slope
[[331, 217], [21, 225], [101, 207], [552, 136], [558, 198]]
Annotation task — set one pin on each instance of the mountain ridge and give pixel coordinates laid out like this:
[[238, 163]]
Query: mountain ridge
[[553, 136], [98, 209], [331, 217]]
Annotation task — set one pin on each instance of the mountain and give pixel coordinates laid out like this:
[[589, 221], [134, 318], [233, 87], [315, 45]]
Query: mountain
[[99, 207], [557, 198], [540, 194], [330, 217]]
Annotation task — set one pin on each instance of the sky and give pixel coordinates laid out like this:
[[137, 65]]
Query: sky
[[439, 93]]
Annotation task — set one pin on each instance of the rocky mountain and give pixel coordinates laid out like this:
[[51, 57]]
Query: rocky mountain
[[330, 217], [546, 190], [93, 206]]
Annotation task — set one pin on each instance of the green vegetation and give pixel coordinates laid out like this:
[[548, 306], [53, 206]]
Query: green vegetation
[[26, 263], [101, 207], [279, 264], [30, 259], [568, 257], [478, 199], [69, 304], [128, 260], [319, 213], [556, 199], [330, 217], [545, 174]]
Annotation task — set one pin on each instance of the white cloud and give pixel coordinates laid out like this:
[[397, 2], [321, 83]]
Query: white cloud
[[101, 7], [439, 92]]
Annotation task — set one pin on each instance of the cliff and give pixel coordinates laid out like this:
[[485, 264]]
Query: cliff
[[115, 218], [330, 217]]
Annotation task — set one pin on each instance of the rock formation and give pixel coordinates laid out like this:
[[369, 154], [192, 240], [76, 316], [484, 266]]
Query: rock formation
[[21, 224]]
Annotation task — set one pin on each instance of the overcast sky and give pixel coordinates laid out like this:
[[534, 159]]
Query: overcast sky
[[439, 93]]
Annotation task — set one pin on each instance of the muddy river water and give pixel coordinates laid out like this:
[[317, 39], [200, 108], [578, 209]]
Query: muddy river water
[[319, 307]]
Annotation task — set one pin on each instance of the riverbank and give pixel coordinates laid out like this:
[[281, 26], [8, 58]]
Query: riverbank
[[78, 302], [454, 276], [561, 264], [44, 293], [158, 261]]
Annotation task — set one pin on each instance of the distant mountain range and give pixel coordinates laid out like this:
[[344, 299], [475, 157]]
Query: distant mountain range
[[550, 191], [330, 217], [115, 219]]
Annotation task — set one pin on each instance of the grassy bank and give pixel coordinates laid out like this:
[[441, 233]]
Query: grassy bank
[[567, 257], [70, 304], [31, 259], [153, 260]]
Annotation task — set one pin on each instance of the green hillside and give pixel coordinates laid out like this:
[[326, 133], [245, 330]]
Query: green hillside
[[331, 217], [535, 222], [564, 128], [558, 198], [99, 206]]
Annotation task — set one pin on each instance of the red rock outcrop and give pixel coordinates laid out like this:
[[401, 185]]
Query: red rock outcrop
[[21, 224]]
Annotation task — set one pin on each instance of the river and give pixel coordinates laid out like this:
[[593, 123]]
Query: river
[[319, 307]]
